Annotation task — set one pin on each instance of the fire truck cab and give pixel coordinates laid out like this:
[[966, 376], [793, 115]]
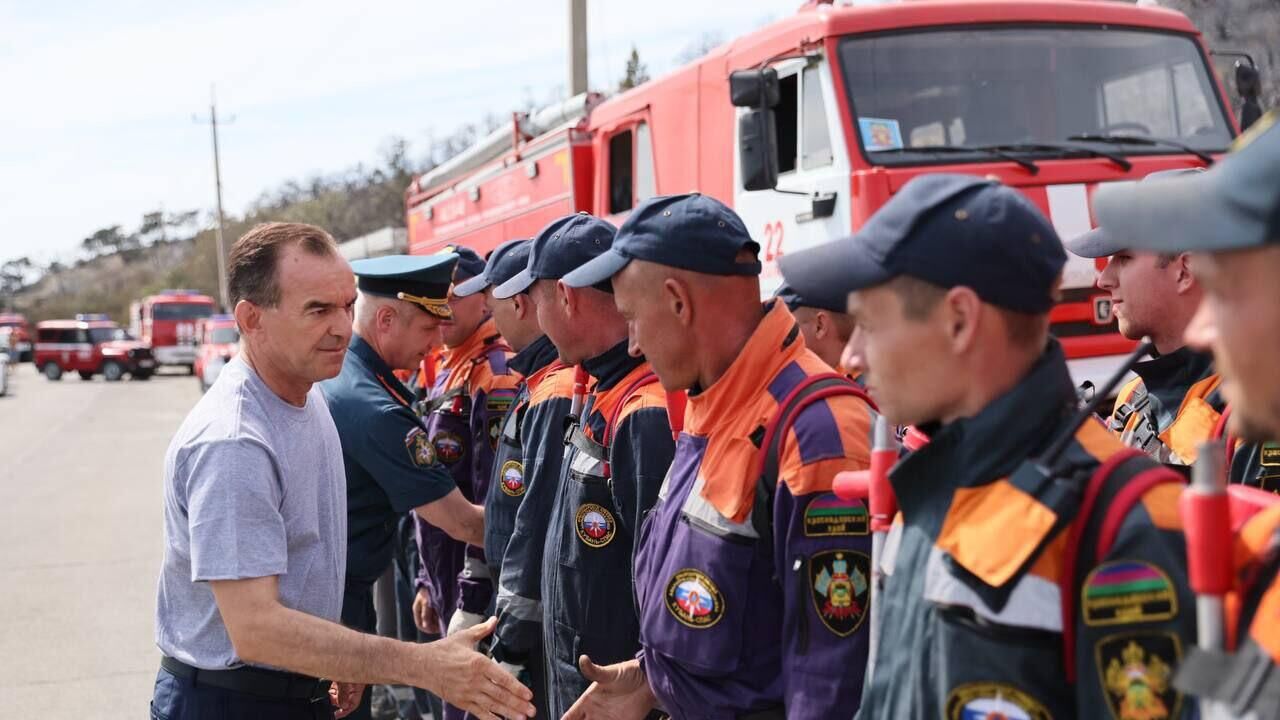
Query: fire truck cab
[[19, 332], [167, 321], [807, 126]]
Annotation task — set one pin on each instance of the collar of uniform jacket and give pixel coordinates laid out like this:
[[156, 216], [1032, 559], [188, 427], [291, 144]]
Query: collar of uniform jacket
[[611, 366], [363, 350], [470, 348], [983, 448], [539, 354], [1181, 368]]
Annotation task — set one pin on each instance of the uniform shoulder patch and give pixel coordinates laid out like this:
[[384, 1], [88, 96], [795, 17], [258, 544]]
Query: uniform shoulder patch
[[449, 447], [595, 525], [827, 515], [1125, 592], [1136, 670], [694, 600], [839, 585], [973, 701], [421, 452], [512, 478], [1269, 456], [499, 399]]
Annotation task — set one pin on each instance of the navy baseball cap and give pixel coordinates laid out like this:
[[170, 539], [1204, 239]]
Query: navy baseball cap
[[1235, 205], [833, 301], [504, 262], [470, 264], [1101, 242], [419, 279], [691, 232], [950, 231], [560, 248]]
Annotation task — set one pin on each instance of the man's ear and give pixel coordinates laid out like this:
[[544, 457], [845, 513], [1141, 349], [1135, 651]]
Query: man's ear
[[958, 313], [524, 306], [822, 325], [248, 317], [567, 298], [1184, 280], [675, 294]]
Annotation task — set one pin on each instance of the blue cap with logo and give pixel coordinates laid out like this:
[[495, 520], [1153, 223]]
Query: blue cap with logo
[[950, 231], [419, 279], [504, 262], [560, 248], [691, 232], [470, 264], [832, 301], [1235, 205], [1101, 242]]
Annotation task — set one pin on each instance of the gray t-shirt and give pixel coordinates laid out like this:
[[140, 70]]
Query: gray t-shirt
[[253, 487]]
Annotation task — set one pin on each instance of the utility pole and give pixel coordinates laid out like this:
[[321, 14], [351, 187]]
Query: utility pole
[[217, 184], [577, 47]]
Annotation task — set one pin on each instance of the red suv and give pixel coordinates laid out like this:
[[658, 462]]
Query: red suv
[[90, 347], [19, 335], [219, 342]]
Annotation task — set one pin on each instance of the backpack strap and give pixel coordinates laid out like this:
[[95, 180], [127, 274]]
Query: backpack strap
[[1133, 473], [805, 393]]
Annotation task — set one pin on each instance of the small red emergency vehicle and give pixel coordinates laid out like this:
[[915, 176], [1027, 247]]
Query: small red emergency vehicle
[[90, 345], [219, 341], [167, 321], [808, 125]]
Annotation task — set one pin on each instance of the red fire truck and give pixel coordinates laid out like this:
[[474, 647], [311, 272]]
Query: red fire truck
[[807, 126], [167, 321], [19, 331]]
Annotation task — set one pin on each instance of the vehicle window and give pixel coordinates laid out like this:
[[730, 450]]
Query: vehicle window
[[180, 311], [77, 336], [645, 182], [786, 119], [222, 336], [1024, 85], [815, 137], [101, 335], [47, 335], [621, 198]]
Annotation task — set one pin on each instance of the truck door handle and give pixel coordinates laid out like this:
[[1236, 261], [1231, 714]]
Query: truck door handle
[[821, 205]]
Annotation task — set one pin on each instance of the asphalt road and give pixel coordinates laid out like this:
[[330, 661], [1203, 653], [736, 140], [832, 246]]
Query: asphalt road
[[81, 541]]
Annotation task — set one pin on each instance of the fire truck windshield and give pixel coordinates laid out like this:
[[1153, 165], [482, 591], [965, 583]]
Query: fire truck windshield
[[180, 311], [1029, 89], [224, 336], [107, 334]]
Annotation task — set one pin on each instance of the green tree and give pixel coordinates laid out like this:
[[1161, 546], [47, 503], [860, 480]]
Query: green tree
[[637, 73]]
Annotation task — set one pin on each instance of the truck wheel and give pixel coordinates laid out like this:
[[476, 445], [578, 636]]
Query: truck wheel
[[85, 374], [112, 371], [52, 371]]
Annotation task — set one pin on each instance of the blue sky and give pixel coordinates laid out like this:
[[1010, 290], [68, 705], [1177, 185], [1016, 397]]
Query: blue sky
[[99, 97]]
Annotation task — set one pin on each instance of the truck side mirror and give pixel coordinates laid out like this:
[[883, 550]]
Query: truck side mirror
[[754, 88], [1249, 87]]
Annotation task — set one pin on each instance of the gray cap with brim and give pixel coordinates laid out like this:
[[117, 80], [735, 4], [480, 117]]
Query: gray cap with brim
[[1233, 206]]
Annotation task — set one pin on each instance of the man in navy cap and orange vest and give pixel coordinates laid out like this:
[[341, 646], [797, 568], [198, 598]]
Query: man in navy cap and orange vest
[[1229, 218], [1039, 566], [530, 445], [752, 578], [463, 414], [823, 322], [618, 452]]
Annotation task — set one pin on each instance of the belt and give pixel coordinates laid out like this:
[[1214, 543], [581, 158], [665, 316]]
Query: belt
[[251, 681]]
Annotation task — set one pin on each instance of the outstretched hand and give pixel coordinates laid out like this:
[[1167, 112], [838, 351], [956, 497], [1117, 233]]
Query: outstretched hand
[[466, 679], [617, 692]]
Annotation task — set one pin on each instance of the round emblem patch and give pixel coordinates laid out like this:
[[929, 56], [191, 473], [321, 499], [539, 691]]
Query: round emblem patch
[[420, 450], [448, 447], [595, 525], [973, 701], [513, 478], [694, 599]]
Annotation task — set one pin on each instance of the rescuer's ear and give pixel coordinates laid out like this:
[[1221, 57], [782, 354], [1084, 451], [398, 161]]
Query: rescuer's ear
[[385, 317], [567, 298], [958, 314], [1184, 279], [675, 296], [524, 306], [248, 317]]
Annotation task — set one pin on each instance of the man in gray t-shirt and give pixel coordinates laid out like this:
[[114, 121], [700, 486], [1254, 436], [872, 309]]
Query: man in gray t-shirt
[[255, 520]]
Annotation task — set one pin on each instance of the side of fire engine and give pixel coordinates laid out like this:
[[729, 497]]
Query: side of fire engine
[[807, 126], [167, 321]]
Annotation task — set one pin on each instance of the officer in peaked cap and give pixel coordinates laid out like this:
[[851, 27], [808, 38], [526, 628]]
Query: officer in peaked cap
[[1229, 218], [751, 577], [1004, 592], [463, 414], [391, 466], [823, 322]]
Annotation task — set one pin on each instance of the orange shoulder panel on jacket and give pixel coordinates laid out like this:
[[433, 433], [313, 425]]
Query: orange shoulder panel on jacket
[[828, 437], [1161, 503], [649, 396], [556, 384], [1097, 440]]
